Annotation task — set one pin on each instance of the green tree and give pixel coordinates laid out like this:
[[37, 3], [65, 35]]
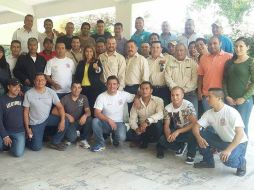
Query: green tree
[[234, 10]]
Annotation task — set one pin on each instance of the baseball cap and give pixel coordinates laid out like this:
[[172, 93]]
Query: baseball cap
[[14, 82]]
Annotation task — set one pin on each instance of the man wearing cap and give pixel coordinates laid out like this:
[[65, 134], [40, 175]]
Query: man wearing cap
[[12, 131], [226, 43], [166, 36], [47, 53]]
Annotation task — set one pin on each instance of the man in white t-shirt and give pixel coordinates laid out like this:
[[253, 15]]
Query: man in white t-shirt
[[229, 136], [59, 71], [108, 111], [179, 117]]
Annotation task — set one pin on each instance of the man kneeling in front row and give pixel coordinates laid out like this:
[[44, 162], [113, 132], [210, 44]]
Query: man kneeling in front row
[[108, 111], [229, 136], [146, 121], [179, 117]]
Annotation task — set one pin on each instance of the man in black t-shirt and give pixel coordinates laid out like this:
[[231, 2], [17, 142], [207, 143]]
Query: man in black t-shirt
[[12, 133]]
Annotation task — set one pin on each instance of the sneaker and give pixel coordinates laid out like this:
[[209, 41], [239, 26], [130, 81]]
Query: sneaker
[[98, 148], [84, 144], [242, 170], [60, 146], [67, 143], [203, 164], [181, 151], [189, 160]]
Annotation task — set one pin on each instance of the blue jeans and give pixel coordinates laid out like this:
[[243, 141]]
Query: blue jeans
[[18, 144], [193, 98], [85, 130], [236, 158], [35, 143], [245, 111], [179, 142], [205, 104], [102, 127]]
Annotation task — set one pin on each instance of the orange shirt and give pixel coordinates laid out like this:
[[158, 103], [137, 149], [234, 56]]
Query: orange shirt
[[211, 67]]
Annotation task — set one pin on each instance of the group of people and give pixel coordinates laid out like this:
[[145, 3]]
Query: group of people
[[168, 82]]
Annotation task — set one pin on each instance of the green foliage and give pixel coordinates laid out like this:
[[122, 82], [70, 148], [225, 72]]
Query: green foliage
[[234, 10]]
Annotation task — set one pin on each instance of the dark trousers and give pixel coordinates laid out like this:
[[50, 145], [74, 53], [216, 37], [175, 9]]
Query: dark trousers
[[163, 92], [152, 133], [179, 142], [133, 90]]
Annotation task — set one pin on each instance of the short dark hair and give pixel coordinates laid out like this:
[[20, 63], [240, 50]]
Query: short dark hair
[[15, 42], [60, 41], [110, 38], [146, 82], [29, 15], [118, 24], [47, 40], [100, 21], [113, 77], [75, 82], [154, 34], [48, 20], [85, 24], [192, 42], [39, 74], [201, 39], [131, 41], [32, 39], [155, 42], [218, 92], [244, 39], [75, 38], [140, 18]]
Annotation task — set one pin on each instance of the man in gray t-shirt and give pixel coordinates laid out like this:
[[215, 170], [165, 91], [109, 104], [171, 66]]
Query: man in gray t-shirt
[[37, 105], [77, 111]]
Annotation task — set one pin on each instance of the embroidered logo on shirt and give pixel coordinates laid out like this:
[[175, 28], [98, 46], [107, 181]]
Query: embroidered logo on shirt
[[222, 122], [120, 102], [68, 65], [80, 102]]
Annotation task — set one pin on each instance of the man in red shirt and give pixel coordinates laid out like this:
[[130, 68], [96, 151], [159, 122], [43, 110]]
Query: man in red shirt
[[48, 52]]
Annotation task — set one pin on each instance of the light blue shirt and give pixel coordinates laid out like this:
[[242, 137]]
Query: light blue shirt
[[140, 38], [226, 44], [165, 39]]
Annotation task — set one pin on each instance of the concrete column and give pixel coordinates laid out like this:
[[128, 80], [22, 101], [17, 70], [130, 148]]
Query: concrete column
[[124, 15]]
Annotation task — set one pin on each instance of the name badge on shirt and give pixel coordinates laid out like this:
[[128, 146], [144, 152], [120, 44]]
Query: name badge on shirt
[[222, 122], [68, 65]]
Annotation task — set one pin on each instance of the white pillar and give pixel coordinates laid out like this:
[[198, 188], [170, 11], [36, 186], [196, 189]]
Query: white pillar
[[124, 15]]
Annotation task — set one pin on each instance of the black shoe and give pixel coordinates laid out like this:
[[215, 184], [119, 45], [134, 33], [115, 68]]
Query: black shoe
[[203, 164], [189, 160], [115, 143], [143, 145], [160, 153], [242, 170]]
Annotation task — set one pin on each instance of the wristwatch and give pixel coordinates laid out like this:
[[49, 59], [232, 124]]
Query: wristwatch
[[148, 122]]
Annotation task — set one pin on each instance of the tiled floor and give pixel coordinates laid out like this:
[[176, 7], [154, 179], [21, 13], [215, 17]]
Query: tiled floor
[[116, 169]]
